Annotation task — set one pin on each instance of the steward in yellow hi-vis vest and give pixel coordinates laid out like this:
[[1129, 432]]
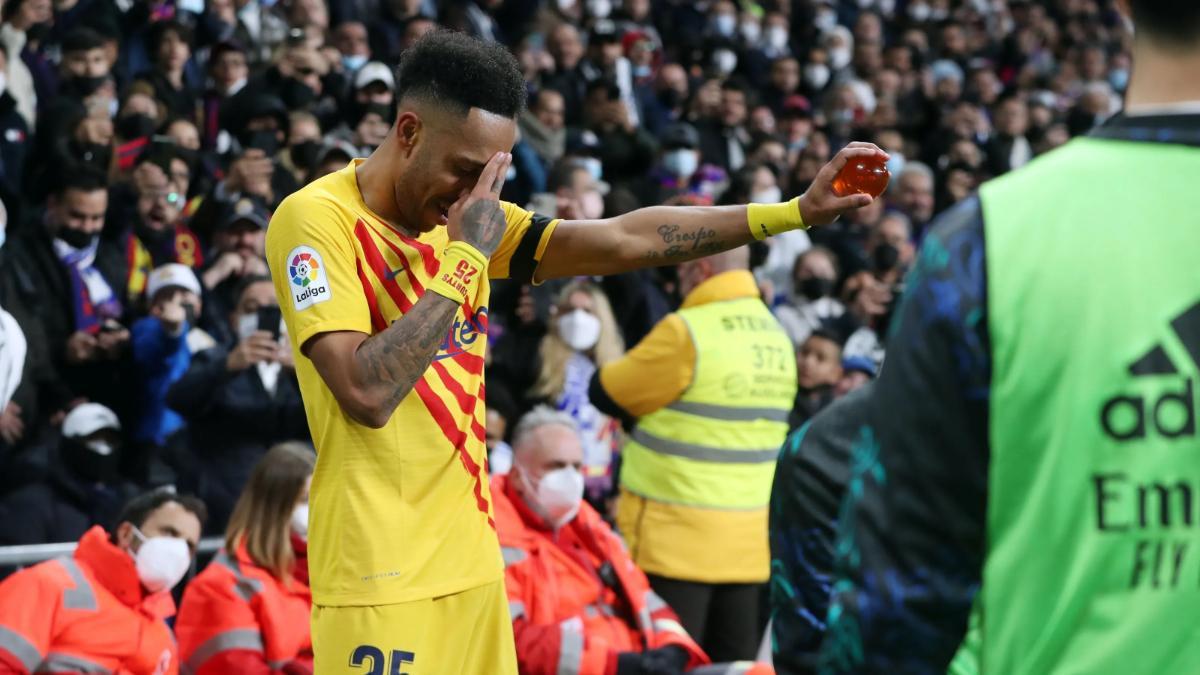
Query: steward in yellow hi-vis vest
[[707, 394]]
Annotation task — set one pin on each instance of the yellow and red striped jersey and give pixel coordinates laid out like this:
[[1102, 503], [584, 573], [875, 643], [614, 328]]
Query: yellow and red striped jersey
[[399, 513]]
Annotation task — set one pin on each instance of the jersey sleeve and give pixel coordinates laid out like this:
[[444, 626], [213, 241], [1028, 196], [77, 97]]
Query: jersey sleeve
[[523, 244], [315, 269], [911, 546]]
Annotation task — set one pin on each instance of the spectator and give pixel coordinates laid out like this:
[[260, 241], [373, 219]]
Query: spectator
[[626, 151], [857, 371], [914, 194], [818, 370], [19, 17], [170, 45], [238, 248], [1010, 148], [303, 145], [500, 414], [163, 343], [723, 138], [556, 549], [15, 139], [240, 401], [542, 126], [578, 194], [158, 235], [104, 608], [77, 280], [228, 74], [265, 552], [79, 486], [678, 164], [811, 300], [584, 337], [689, 522], [350, 39]]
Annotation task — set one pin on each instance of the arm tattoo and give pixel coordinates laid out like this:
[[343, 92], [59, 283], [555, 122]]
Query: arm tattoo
[[679, 244], [484, 223], [396, 358]]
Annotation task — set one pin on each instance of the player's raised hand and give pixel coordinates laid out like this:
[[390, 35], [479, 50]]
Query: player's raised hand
[[820, 205], [476, 217]]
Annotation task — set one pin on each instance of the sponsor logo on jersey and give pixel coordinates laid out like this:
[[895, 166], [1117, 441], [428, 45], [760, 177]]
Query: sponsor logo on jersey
[[307, 280]]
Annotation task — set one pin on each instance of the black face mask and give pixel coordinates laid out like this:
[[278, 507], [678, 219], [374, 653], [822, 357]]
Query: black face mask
[[885, 257], [296, 95], [304, 154], [815, 288], [75, 238], [88, 464], [136, 126], [84, 85]]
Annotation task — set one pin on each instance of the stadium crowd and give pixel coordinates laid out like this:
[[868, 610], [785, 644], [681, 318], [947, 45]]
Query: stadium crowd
[[145, 144]]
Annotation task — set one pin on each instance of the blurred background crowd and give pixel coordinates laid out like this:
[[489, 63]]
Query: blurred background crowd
[[143, 146]]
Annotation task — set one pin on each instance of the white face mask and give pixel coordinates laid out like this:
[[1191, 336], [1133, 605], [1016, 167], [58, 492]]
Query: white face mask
[[724, 24], [599, 9], [777, 37], [919, 12], [825, 21], [161, 561], [681, 163], [816, 75], [724, 60], [102, 448], [300, 520], [557, 495], [771, 195], [839, 57], [594, 167], [751, 31], [580, 329]]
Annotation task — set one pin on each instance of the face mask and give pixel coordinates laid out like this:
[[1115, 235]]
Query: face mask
[[580, 329], [599, 9], [896, 162], [161, 561], [816, 75], [839, 57], [594, 167], [724, 61], [247, 325], [353, 62], [136, 126], [304, 154], [94, 461], [642, 70], [1119, 79], [76, 238], [825, 21], [777, 37], [885, 257], [815, 288], [193, 6], [771, 195], [751, 31], [557, 496], [300, 521], [681, 163], [724, 24]]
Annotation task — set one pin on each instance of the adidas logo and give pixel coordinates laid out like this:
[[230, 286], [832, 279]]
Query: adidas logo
[[1128, 417]]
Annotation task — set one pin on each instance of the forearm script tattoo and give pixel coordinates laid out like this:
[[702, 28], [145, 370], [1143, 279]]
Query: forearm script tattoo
[[679, 244]]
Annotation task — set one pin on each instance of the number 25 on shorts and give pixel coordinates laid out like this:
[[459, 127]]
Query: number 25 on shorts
[[371, 659]]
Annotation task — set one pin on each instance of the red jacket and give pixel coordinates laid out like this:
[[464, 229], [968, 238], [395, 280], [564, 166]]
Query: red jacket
[[236, 617], [566, 617], [85, 614]]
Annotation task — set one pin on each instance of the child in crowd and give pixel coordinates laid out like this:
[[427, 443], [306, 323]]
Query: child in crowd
[[818, 371]]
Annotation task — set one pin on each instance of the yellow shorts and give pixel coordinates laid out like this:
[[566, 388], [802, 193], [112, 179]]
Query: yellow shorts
[[467, 633]]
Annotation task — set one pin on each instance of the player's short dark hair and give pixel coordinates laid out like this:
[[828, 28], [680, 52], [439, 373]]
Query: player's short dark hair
[[81, 39], [82, 178], [459, 71], [138, 509], [1176, 23]]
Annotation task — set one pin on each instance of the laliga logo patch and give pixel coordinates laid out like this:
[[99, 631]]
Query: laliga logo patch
[[306, 277]]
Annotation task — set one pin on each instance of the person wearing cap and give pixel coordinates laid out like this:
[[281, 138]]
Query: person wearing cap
[[374, 83], [104, 608], [78, 487], [237, 253], [678, 162], [163, 343], [857, 371]]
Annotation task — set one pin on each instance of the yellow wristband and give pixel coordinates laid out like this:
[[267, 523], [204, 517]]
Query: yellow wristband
[[458, 276], [766, 220]]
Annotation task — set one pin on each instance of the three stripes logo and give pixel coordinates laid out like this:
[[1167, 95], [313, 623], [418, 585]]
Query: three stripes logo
[[1171, 413]]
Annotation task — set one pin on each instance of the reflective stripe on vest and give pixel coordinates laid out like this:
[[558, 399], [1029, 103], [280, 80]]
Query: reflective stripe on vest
[[516, 609], [570, 647], [81, 596], [654, 601], [245, 587], [512, 555], [248, 639], [14, 643], [715, 447], [68, 663]]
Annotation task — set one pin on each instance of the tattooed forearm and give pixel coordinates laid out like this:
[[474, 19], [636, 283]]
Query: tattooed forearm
[[679, 243], [393, 361]]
